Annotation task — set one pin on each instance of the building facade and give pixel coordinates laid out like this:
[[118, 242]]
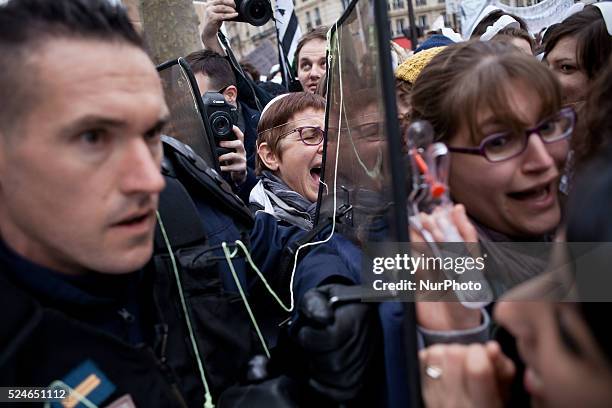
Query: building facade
[[245, 38], [425, 13]]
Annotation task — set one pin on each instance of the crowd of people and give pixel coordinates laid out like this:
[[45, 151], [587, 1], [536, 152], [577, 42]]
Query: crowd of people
[[135, 273]]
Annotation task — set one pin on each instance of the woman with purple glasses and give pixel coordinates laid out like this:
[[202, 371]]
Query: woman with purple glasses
[[500, 114], [289, 149]]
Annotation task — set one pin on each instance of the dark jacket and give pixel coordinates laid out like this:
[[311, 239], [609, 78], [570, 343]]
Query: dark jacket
[[131, 330], [250, 119], [249, 92], [53, 326]]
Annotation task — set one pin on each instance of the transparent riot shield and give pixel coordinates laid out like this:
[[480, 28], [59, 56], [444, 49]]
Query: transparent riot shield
[[364, 172], [186, 111], [363, 150]]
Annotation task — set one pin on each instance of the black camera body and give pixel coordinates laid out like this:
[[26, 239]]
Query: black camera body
[[220, 117], [254, 12]]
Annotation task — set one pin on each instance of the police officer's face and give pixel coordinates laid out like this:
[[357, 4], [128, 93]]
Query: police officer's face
[[80, 176]]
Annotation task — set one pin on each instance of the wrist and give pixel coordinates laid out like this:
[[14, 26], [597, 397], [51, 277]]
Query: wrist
[[239, 178], [440, 316], [211, 43]]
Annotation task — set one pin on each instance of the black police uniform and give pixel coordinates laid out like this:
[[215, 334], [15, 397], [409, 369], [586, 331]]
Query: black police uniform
[[130, 334]]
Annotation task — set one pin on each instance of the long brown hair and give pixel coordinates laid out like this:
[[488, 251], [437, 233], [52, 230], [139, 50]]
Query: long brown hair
[[466, 77], [594, 45]]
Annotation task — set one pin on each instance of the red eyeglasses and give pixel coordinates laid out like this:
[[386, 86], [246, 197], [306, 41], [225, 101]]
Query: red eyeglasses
[[309, 135]]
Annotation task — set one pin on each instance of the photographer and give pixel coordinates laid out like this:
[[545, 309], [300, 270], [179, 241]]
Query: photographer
[[215, 13], [310, 57], [214, 74]]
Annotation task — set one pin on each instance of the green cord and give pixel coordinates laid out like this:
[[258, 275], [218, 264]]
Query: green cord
[[263, 279], [207, 398], [240, 244]]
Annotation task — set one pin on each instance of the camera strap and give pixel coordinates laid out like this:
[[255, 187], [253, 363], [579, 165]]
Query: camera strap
[[238, 68]]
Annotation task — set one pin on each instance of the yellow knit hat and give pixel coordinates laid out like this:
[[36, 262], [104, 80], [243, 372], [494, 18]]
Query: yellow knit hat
[[410, 69]]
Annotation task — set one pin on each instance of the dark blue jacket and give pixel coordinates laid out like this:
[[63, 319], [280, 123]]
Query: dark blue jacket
[[251, 119], [341, 259]]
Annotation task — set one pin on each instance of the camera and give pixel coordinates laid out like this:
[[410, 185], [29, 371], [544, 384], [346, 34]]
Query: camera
[[220, 117], [254, 12]]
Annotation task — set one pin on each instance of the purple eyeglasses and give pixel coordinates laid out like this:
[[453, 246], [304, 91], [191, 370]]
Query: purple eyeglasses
[[309, 135], [504, 146]]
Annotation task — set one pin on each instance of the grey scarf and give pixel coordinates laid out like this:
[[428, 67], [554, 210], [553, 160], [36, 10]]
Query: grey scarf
[[289, 206], [512, 261]]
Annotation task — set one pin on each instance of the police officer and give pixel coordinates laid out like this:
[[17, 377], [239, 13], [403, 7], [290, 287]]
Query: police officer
[[84, 304], [90, 300]]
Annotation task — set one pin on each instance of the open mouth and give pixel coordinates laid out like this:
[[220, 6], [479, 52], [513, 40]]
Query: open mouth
[[315, 173], [134, 221], [537, 193]]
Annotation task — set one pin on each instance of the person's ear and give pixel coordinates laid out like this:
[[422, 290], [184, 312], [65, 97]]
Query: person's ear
[[231, 94], [268, 157]]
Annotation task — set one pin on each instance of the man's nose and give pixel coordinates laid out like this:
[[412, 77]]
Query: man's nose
[[141, 169], [317, 72]]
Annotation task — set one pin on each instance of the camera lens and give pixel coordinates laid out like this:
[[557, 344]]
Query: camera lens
[[256, 12], [221, 124]]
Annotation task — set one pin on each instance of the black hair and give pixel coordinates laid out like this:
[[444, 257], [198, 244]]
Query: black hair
[[28, 24], [214, 66]]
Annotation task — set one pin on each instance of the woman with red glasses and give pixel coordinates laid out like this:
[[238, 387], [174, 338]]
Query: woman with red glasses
[[290, 148]]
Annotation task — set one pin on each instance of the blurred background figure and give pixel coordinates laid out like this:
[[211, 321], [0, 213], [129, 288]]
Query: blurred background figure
[[311, 58]]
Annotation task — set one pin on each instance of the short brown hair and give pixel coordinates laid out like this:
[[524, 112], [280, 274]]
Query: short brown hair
[[317, 33], [593, 41], [27, 26], [214, 66], [273, 122], [467, 76]]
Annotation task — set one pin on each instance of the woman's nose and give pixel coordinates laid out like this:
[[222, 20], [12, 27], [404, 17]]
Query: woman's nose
[[537, 158]]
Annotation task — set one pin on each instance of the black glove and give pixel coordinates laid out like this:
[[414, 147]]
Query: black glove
[[339, 340]]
